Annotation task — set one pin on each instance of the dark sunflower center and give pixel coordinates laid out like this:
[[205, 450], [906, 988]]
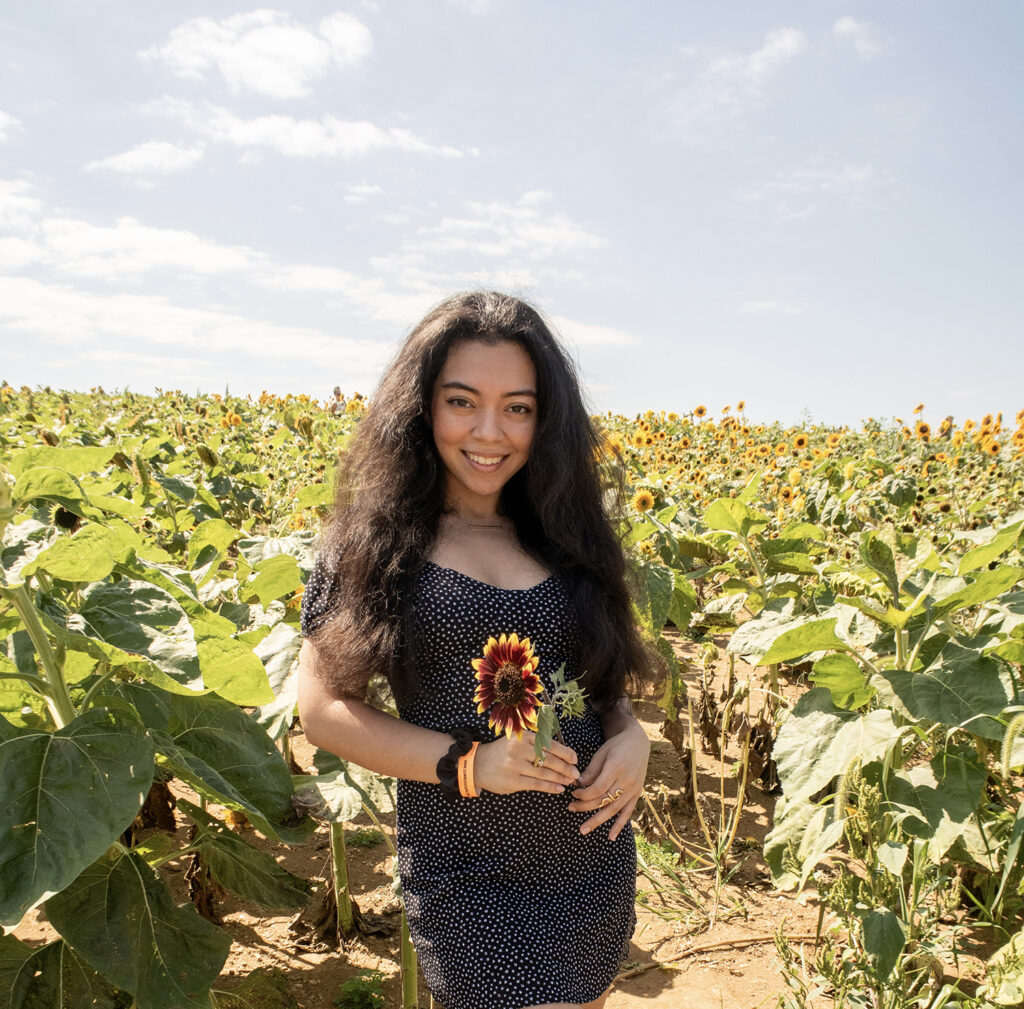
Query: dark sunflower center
[[509, 688]]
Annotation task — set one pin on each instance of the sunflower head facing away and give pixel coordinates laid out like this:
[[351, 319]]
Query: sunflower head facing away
[[508, 686]]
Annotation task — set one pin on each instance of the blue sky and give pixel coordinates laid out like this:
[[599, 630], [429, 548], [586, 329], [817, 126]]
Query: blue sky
[[815, 207]]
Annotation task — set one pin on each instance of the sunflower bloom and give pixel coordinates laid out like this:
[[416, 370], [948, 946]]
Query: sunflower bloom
[[700, 411], [643, 501], [508, 685], [800, 441], [923, 430]]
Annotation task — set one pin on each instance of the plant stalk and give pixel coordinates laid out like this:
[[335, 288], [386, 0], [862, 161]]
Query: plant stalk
[[342, 897], [410, 998], [58, 700]]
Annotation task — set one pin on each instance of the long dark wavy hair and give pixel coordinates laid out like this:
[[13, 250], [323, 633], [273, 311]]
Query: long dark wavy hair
[[391, 494]]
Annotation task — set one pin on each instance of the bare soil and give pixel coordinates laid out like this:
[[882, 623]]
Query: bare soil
[[691, 950]]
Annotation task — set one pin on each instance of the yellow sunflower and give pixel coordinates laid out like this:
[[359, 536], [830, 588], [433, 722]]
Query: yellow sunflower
[[508, 686], [922, 430], [700, 411], [643, 501], [800, 441]]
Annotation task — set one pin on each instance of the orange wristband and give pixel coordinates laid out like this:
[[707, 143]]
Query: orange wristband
[[467, 787]]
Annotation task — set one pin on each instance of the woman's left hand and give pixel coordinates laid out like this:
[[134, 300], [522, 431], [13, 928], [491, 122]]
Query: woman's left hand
[[617, 771]]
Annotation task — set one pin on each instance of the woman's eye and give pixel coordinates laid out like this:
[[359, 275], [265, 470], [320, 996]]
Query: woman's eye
[[520, 408], [458, 401]]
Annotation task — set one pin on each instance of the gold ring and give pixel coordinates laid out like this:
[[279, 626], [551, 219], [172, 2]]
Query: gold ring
[[604, 802], [538, 761]]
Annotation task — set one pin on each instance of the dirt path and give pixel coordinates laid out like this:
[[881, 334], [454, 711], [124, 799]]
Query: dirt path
[[733, 963]]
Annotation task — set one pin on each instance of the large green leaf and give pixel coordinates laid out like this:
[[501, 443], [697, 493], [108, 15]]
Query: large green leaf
[[140, 617], [222, 753], [845, 680], [213, 532], [880, 557], [232, 669], [55, 485], [44, 977], [682, 604], [276, 577], [818, 742], [987, 585], [999, 544], [340, 789], [884, 940], [119, 916], [279, 652], [801, 835], [239, 867], [64, 797], [732, 515], [773, 637], [656, 586], [79, 459], [936, 801], [964, 689], [88, 556]]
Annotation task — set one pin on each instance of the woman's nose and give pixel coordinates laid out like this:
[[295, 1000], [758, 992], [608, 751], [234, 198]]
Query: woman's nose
[[488, 425]]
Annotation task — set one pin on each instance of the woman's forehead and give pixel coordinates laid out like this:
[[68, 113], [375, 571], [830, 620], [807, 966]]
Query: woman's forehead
[[473, 364]]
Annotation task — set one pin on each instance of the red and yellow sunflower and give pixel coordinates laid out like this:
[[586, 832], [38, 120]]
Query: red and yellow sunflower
[[508, 686]]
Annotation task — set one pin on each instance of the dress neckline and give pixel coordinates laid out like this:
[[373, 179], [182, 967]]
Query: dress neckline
[[477, 581]]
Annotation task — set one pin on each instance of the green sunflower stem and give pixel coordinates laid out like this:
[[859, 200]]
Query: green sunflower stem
[[342, 897], [410, 994]]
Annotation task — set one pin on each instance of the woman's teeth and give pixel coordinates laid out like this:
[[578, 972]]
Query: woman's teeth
[[485, 460]]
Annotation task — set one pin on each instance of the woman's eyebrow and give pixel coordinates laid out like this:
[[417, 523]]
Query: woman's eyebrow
[[476, 392]]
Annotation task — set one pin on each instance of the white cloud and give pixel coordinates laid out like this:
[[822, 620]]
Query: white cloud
[[68, 299], [860, 34], [17, 208], [801, 192], [584, 334], [130, 249], [154, 157], [7, 125], [728, 84], [525, 228], [131, 326], [843, 180], [359, 193], [263, 51], [295, 138]]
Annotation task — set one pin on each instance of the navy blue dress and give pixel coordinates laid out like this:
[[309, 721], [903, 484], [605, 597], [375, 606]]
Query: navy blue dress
[[508, 904]]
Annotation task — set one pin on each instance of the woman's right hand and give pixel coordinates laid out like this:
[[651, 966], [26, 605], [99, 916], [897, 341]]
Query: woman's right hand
[[506, 765]]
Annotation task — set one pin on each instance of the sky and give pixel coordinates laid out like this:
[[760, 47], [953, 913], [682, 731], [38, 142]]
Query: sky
[[814, 207]]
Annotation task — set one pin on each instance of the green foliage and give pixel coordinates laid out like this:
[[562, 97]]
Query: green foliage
[[364, 991]]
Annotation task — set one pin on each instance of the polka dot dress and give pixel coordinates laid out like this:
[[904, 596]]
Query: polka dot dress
[[508, 904]]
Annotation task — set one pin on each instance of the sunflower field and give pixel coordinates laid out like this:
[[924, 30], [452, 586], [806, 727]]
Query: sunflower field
[[154, 554]]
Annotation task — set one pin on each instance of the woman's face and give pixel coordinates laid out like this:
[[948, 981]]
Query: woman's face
[[483, 413]]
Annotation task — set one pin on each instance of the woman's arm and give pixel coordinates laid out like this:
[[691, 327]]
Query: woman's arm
[[356, 731], [620, 765]]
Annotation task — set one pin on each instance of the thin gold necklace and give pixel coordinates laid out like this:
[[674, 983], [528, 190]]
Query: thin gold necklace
[[503, 524]]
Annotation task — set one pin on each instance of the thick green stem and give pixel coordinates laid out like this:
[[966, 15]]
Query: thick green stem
[[346, 917], [760, 571], [409, 981], [58, 700]]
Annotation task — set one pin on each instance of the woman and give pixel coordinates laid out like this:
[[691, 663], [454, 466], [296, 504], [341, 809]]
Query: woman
[[468, 557]]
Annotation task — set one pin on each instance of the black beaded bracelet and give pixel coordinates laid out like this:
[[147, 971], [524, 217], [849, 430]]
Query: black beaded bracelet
[[448, 765]]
